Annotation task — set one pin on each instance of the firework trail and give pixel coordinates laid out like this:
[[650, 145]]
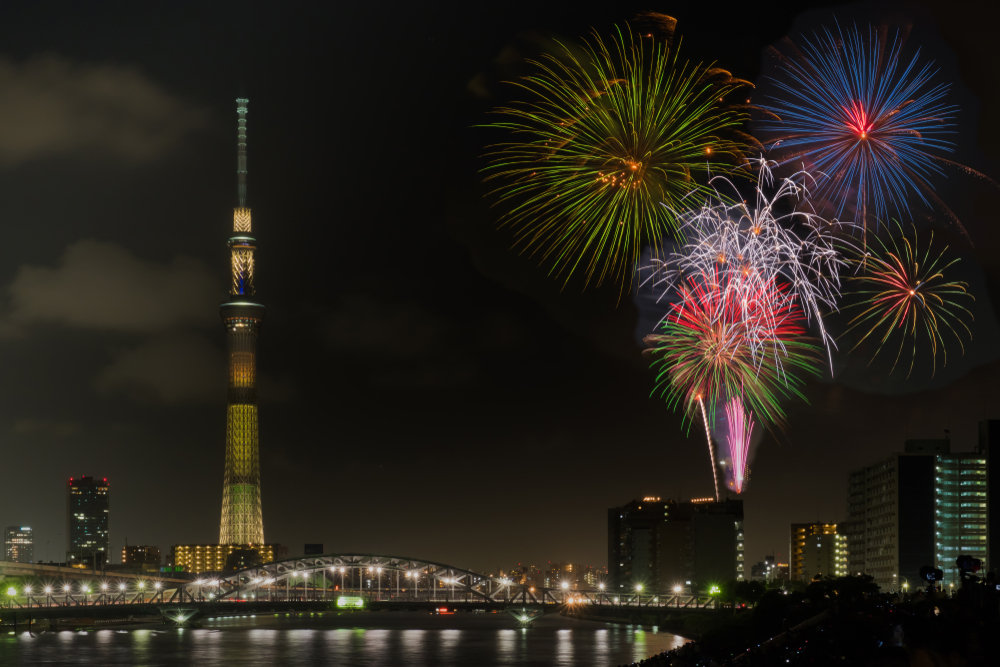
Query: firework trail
[[903, 293], [603, 135], [773, 238], [711, 448], [739, 432], [848, 105]]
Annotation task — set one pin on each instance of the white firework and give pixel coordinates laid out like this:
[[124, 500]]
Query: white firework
[[776, 238]]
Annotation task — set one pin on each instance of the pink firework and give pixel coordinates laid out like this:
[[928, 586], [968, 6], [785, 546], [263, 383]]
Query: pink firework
[[740, 424]]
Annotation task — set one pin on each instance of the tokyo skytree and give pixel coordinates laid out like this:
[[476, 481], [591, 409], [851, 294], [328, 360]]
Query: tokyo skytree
[[242, 522]]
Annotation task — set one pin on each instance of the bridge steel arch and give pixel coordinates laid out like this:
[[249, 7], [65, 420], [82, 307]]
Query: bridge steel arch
[[372, 576]]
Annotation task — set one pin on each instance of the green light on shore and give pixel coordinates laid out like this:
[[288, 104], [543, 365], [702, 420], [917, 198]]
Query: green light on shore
[[714, 590], [350, 602]]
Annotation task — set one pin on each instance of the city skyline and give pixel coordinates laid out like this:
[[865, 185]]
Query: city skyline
[[425, 391]]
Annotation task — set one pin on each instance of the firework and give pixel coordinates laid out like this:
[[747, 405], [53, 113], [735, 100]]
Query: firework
[[739, 431], [773, 238], [904, 294], [701, 354], [711, 448], [850, 106], [604, 134]]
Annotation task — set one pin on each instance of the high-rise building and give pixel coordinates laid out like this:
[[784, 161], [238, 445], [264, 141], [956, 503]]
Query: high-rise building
[[141, 557], [989, 449], [960, 512], [242, 522], [87, 508], [573, 576], [662, 544], [816, 549], [923, 507], [200, 558], [18, 544], [526, 575], [890, 515]]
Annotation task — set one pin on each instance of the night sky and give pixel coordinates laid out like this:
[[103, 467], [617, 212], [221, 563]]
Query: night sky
[[425, 391]]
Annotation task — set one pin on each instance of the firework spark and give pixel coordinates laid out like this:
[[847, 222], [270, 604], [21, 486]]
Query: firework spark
[[604, 134], [774, 238], [701, 353], [850, 106], [903, 293], [739, 432]]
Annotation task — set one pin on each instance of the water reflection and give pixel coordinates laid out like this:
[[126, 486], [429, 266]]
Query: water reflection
[[449, 641], [601, 650], [262, 641], [564, 647], [411, 645], [337, 644], [376, 645], [639, 650], [506, 646], [390, 639]]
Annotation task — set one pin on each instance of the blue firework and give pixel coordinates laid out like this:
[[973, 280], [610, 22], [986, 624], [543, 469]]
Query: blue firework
[[849, 106]]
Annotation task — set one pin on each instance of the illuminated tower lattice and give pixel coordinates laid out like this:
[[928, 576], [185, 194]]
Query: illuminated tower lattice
[[241, 514]]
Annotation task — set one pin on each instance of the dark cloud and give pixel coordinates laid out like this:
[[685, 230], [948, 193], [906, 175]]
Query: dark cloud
[[400, 344], [51, 106], [178, 368], [103, 286], [399, 330], [46, 429]]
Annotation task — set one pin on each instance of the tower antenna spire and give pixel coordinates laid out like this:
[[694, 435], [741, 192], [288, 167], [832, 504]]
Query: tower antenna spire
[[241, 151]]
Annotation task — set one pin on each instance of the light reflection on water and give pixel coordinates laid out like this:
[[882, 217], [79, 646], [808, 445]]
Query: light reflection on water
[[601, 650], [507, 645], [388, 640], [564, 647], [638, 645]]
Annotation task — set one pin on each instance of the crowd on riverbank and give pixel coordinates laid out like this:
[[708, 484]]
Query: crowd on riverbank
[[847, 622]]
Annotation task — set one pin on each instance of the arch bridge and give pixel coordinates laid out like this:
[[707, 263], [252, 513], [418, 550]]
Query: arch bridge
[[346, 580], [380, 578]]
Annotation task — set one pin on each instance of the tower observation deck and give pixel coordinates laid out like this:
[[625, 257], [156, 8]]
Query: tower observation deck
[[242, 523]]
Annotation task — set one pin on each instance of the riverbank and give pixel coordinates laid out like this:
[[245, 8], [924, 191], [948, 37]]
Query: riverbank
[[692, 624], [847, 623]]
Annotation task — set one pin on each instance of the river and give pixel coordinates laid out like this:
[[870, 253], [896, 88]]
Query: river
[[386, 639]]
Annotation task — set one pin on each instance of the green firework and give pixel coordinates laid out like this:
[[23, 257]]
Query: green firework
[[604, 143]]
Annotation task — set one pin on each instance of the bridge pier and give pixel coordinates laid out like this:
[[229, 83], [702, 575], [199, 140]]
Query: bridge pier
[[179, 616], [525, 616]]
